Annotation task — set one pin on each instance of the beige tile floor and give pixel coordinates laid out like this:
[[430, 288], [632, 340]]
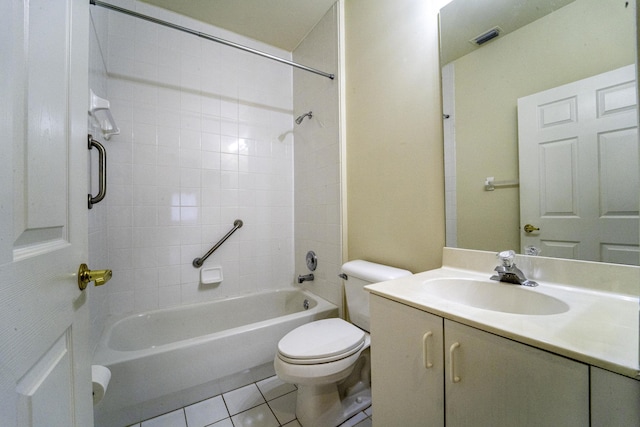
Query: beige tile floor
[[266, 403]]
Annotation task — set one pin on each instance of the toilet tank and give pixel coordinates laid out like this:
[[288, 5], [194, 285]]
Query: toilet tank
[[360, 273]]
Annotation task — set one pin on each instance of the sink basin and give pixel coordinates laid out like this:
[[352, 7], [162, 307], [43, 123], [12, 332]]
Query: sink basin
[[494, 296]]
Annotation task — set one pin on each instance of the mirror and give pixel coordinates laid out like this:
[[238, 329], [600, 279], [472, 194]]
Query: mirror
[[539, 46]]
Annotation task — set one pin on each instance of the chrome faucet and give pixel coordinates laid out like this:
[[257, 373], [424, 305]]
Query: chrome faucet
[[305, 278], [509, 273]]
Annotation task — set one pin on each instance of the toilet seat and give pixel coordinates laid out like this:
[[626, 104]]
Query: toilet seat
[[322, 341]]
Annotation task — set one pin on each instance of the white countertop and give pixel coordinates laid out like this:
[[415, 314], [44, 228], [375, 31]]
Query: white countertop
[[600, 328]]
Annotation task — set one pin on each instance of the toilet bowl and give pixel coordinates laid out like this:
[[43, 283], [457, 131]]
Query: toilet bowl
[[319, 357], [329, 359]]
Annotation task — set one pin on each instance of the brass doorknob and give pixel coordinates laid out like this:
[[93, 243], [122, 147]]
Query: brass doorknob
[[528, 228], [99, 277]]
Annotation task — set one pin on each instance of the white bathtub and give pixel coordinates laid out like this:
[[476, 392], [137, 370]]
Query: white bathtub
[[164, 359]]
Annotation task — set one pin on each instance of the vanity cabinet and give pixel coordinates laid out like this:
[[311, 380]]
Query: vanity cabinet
[[615, 399], [475, 378], [406, 365], [492, 381]]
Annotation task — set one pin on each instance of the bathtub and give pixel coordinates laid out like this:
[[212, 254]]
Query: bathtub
[[165, 359]]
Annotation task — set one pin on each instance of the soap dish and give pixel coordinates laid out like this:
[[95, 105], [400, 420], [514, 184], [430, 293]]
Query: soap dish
[[210, 275]]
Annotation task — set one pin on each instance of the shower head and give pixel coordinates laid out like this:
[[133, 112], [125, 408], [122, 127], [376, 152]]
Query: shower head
[[301, 118]]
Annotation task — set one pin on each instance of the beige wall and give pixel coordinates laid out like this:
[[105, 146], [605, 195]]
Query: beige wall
[[585, 38], [395, 178]]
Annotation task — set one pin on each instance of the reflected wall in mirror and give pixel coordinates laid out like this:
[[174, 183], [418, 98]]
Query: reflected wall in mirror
[[573, 40]]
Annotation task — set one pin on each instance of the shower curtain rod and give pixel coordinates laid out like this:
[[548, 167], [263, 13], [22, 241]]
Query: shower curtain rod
[[209, 37]]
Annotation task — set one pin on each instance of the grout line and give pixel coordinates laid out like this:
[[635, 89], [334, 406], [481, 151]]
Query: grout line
[[295, 417], [267, 402], [184, 414], [230, 417], [226, 406]]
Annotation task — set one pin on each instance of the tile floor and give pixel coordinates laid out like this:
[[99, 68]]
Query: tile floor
[[267, 403]]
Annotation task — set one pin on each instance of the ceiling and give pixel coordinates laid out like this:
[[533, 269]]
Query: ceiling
[[464, 20], [280, 23]]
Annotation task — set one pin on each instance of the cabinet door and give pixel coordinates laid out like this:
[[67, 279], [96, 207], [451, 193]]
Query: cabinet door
[[615, 400], [407, 365], [504, 383]]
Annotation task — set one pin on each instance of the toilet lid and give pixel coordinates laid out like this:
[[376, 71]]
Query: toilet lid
[[321, 341]]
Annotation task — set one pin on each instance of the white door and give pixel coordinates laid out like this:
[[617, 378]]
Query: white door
[[44, 352], [579, 171]]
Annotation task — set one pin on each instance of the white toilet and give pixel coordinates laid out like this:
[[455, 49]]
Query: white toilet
[[329, 359]]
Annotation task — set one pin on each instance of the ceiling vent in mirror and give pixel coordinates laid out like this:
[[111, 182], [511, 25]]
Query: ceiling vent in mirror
[[486, 36]]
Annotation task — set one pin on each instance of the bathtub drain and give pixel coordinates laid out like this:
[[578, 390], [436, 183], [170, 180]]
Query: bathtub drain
[[305, 304]]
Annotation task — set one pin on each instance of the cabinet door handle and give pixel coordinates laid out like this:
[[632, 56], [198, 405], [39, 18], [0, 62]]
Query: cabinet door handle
[[452, 365], [426, 360]]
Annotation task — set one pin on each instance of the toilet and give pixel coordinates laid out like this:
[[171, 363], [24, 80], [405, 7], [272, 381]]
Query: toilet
[[329, 359]]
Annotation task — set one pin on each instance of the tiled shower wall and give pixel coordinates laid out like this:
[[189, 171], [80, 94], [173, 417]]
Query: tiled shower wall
[[98, 257], [205, 139], [318, 207]]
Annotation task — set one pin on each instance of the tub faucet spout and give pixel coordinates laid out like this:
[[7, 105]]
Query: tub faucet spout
[[305, 278]]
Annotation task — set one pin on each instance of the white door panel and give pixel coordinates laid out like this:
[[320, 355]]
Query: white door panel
[[47, 378], [44, 361], [579, 169]]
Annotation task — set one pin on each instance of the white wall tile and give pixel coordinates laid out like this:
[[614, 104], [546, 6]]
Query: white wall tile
[[169, 256], [99, 216], [120, 259], [169, 296], [145, 216], [317, 159], [168, 275], [121, 302], [183, 104]]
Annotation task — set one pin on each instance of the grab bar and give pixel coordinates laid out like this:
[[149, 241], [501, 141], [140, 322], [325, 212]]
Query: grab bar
[[197, 262], [102, 172]]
